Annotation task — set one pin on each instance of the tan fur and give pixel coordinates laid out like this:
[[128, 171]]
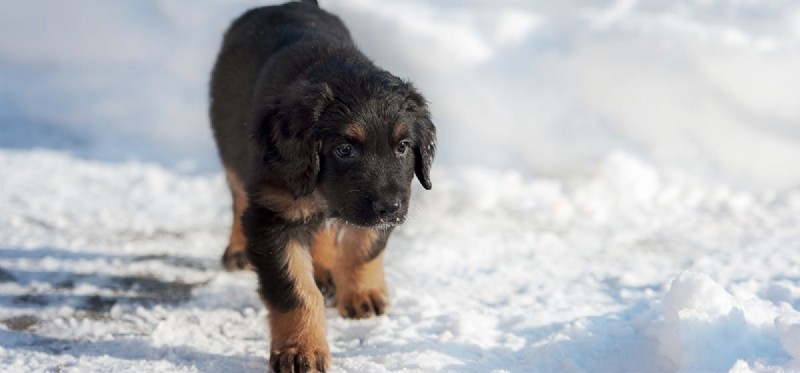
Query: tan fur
[[356, 131], [323, 253], [360, 285], [400, 131], [237, 241], [291, 208], [300, 331]]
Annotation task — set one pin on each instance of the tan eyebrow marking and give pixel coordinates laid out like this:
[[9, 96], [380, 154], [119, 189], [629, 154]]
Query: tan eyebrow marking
[[400, 131], [356, 131]]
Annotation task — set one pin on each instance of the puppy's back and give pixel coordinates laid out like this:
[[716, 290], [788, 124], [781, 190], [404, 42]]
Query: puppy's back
[[246, 56]]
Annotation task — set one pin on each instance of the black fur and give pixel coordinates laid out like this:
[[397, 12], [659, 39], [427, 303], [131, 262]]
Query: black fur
[[283, 138], [289, 77], [267, 235]]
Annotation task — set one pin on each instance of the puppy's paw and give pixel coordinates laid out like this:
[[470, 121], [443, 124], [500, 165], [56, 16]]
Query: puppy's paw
[[363, 304], [299, 359], [327, 288], [235, 260]]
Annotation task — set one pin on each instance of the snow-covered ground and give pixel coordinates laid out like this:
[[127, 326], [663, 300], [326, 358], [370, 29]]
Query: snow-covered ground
[[618, 190]]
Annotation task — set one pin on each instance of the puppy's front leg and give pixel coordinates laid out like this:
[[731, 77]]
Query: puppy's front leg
[[358, 274], [279, 250]]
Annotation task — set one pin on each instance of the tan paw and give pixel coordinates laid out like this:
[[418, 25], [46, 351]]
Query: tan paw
[[363, 304], [299, 359]]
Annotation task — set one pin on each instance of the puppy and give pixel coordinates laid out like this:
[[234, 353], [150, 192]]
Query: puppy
[[319, 147]]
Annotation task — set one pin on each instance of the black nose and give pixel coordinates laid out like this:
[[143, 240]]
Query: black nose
[[386, 208]]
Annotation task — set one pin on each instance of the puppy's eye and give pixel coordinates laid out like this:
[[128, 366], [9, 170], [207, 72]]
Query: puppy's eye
[[402, 147], [344, 151]]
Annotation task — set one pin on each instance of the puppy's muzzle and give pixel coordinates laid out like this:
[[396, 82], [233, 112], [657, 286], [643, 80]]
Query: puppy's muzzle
[[387, 208]]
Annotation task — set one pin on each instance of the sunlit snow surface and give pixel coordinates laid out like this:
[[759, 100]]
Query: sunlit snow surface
[[114, 267], [651, 223]]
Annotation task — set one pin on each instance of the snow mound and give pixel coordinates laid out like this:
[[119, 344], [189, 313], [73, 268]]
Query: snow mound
[[789, 331], [706, 328]]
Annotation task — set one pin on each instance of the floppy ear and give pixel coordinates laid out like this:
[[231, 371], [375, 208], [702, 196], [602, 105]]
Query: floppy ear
[[425, 133], [283, 130]]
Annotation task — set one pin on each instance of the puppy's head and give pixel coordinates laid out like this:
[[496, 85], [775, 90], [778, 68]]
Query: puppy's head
[[358, 141]]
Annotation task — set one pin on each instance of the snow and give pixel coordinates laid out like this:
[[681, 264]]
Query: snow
[[617, 190], [699, 312], [494, 271], [789, 332]]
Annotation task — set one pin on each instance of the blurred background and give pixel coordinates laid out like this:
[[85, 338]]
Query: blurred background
[[707, 88]]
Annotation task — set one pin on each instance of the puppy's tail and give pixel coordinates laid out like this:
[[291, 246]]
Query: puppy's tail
[[312, 2]]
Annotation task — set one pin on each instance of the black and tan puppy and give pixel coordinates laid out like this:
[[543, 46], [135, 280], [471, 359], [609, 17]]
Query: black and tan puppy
[[319, 147]]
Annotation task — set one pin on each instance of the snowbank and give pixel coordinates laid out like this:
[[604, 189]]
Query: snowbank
[[708, 329], [789, 332]]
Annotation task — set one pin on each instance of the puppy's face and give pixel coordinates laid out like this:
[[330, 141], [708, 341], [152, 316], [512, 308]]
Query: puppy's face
[[357, 143], [366, 168]]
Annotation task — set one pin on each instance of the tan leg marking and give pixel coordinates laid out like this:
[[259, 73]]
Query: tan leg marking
[[298, 335], [323, 255], [235, 257], [360, 285]]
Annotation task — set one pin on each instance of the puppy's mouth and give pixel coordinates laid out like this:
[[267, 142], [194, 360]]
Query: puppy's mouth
[[388, 223], [378, 223]]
